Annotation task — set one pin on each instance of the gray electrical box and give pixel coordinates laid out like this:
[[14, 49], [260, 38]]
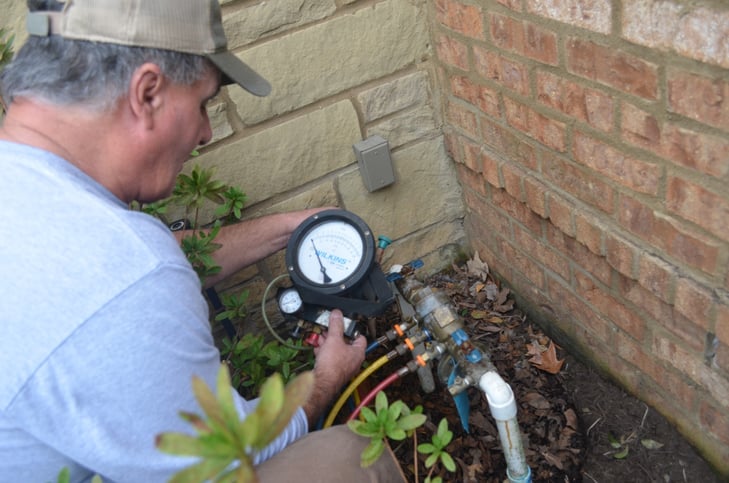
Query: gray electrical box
[[375, 162]]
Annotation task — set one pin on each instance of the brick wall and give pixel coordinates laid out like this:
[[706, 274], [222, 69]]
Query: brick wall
[[591, 138]]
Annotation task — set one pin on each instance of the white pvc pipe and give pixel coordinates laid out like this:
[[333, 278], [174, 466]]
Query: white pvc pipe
[[503, 408]]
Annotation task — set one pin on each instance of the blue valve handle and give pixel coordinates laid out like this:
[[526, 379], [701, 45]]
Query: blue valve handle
[[463, 405], [383, 241]]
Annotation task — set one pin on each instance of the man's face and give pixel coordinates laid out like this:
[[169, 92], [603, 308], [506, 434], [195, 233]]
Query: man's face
[[183, 126]]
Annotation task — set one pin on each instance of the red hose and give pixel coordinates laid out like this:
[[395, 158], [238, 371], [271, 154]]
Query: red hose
[[371, 395]]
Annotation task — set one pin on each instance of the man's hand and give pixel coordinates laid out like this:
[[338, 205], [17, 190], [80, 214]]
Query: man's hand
[[337, 361]]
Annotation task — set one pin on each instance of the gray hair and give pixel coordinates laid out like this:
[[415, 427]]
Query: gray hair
[[93, 74]]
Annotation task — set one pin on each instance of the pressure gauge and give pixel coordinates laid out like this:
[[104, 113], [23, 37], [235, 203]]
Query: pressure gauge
[[330, 252], [289, 301]]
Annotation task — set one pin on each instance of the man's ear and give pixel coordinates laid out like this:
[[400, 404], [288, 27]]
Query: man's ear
[[145, 93]]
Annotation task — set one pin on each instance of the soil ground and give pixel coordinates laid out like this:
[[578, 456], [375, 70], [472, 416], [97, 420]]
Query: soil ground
[[576, 425]]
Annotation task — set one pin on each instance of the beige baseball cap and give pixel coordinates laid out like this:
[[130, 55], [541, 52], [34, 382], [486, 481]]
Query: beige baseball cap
[[189, 26]]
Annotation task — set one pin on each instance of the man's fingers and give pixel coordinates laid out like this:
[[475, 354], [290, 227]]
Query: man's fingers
[[360, 342], [336, 324]]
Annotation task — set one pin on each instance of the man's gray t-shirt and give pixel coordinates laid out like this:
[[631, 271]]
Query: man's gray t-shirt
[[102, 327]]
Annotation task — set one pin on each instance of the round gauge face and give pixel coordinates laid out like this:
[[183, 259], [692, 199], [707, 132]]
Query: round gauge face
[[290, 301], [330, 252]]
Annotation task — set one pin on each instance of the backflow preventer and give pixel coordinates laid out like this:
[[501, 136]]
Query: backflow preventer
[[469, 366], [333, 263]]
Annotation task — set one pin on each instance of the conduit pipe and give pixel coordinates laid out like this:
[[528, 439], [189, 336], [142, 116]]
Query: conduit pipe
[[503, 408]]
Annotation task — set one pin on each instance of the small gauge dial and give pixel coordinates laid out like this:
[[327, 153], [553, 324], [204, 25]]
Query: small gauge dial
[[330, 251], [290, 301]]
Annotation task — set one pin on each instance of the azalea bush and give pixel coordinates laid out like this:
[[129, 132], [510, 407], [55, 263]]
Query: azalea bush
[[224, 444]]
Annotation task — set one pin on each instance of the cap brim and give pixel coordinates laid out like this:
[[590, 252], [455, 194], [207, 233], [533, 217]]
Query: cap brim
[[236, 71]]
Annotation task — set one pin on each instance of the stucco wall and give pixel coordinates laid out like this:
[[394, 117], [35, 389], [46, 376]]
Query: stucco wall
[[341, 72]]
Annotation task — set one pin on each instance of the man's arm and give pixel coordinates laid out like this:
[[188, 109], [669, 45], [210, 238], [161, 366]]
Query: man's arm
[[249, 241]]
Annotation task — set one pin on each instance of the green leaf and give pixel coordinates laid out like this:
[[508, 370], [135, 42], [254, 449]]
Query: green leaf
[[64, 476], [651, 444], [366, 429], [426, 448], [232, 476], [411, 421], [397, 434], [249, 429], [372, 452], [431, 460], [613, 440], [295, 394], [356, 426], [380, 402], [271, 400], [444, 435], [448, 462], [179, 444], [621, 454], [196, 421], [368, 414], [447, 438], [208, 402], [202, 471], [395, 410], [244, 474], [218, 445]]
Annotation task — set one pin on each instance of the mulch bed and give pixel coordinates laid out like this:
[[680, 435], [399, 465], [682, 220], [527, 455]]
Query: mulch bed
[[576, 425]]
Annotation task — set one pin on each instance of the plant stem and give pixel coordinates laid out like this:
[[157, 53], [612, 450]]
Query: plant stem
[[415, 454]]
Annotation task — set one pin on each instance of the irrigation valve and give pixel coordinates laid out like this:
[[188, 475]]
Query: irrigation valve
[[471, 368], [441, 320]]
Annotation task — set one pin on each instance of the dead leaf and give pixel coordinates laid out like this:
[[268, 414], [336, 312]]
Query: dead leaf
[[501, 298], [553, 460], [492, 290], [571, 417], [477, 268], [478, 314], [565, 438], [507, 307], [480, 421], [477, 287], [535, 350], [536, 400], [473, 470], [547, 359]]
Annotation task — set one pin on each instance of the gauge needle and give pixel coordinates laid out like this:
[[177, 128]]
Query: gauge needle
[[323, 270]]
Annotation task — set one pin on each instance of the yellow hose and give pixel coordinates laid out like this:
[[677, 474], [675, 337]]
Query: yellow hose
[[352, 386]]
